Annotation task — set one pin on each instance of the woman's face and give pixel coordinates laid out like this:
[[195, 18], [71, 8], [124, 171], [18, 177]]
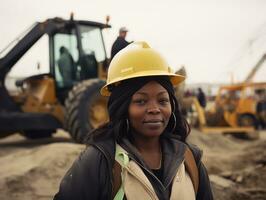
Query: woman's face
[[149, 110]]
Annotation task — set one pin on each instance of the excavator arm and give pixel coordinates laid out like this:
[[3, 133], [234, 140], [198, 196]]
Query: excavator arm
[[47, 27]]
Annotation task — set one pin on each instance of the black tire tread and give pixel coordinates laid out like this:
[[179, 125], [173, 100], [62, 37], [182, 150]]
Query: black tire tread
[[72, 104]]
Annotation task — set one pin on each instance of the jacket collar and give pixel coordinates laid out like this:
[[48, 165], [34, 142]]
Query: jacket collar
[[173, 155]]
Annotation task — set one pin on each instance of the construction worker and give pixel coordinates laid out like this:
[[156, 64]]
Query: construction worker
[[66, 66], [261, 108], [201, 97], [120, 42], [141, 153]]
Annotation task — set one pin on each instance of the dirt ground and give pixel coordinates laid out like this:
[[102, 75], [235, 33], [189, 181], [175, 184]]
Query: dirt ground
[[32, 169]]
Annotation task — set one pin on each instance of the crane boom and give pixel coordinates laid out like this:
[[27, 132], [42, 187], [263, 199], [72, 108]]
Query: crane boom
[[255, 69]]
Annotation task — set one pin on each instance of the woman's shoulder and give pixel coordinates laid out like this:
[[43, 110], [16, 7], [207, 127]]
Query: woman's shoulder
[[87, 173], [91, 158], [98, 150], [89, 153]]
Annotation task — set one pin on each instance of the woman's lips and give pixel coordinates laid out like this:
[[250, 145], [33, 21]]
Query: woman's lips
[[153, 121], [153, 124]]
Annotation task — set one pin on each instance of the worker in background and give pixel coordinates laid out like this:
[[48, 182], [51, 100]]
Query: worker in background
[[141, 153], [120, 42], [201, 98], [66, 66], [261, 108]]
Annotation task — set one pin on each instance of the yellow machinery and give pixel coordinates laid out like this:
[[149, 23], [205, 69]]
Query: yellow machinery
[[239, 102], [234, 109], [68, 95]]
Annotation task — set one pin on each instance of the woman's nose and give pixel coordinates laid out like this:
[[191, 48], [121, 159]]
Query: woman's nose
[[154, 109]]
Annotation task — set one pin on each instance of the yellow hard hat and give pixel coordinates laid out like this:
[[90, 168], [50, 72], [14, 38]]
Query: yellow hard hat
[[138, 60]]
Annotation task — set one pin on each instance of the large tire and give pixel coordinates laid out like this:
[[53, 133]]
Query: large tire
[[247, 120], [85, 109]]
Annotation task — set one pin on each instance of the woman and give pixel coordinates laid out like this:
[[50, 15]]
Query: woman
[[142, 152]]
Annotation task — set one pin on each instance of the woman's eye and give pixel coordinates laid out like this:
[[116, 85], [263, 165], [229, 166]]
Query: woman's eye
[[139, 101], [164, 101]]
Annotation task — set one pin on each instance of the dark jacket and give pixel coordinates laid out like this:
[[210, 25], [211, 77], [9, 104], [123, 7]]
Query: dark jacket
[[202, 99], [120, 43], [90, 177]]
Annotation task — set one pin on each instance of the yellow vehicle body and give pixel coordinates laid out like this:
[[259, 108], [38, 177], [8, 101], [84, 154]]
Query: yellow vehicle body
[[40, 97], [233, 111], [239, 100]]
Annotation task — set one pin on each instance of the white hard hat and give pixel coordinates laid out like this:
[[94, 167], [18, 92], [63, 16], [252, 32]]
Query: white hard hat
[[123, 29]]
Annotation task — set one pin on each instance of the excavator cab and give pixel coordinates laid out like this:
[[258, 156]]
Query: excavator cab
[[66, 95], [77, 54]]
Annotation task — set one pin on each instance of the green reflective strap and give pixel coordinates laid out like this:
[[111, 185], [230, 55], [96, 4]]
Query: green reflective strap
[[120, 194], [122, 158]]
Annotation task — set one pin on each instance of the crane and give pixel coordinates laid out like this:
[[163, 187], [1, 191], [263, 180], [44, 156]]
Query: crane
[[255, 69]]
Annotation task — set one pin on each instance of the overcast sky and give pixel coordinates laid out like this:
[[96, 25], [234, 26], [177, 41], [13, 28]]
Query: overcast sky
[[211, 38]]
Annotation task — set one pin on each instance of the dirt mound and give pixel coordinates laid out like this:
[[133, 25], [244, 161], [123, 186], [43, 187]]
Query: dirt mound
[[248, 175], [214, 142], [35, 173], [237, 167], [33, 169], [218, 150]]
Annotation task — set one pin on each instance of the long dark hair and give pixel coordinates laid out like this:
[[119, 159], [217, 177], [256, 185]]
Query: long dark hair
[[118, 104]]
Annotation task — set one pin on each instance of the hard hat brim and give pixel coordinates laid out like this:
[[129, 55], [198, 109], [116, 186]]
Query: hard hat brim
[[174, 78]]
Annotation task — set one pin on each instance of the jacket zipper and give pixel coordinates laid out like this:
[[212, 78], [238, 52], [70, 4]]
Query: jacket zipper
[[172, 177], [148, 172]]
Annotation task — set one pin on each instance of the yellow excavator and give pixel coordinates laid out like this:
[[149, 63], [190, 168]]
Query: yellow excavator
[[234, 109], [67, 96]]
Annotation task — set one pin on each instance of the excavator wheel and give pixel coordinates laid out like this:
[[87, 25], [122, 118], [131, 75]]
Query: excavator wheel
[[247, 120], [85, 109]]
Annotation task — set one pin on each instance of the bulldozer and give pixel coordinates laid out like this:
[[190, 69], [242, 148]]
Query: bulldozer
[[67, 96]]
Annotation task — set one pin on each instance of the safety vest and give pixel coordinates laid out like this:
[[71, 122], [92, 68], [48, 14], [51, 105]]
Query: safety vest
[[135, 185]]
